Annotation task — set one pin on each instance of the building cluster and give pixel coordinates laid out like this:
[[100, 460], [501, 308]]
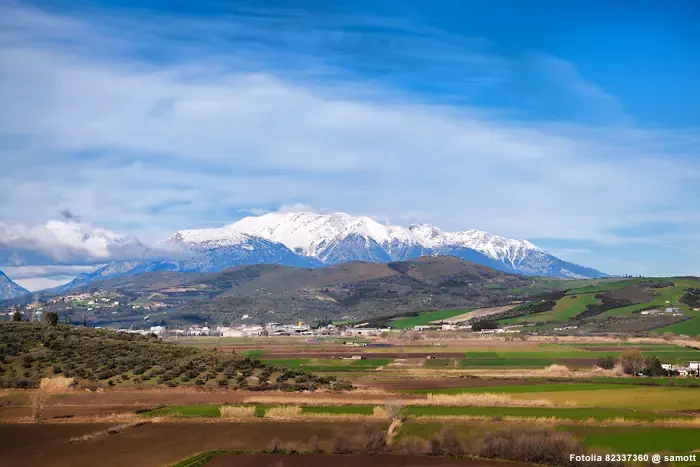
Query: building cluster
[[665, 311], [693, 368]]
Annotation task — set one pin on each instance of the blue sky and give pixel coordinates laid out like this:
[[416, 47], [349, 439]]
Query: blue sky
[[572, 124]]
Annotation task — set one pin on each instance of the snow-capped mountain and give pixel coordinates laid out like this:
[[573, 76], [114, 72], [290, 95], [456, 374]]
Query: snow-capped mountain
[[298, 239], [216, 249], [339, 237], [9, 289]]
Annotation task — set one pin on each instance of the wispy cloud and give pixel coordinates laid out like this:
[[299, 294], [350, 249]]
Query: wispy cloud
[[144, 133]]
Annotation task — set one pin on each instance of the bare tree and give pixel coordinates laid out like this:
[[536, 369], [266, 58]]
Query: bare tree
[[38, 400], [632, 362]]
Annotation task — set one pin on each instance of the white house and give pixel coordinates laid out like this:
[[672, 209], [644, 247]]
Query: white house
[[667, 366], [694, 366]]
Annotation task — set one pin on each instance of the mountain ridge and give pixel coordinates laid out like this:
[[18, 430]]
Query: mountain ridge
[[10, 289], [299, 239], [339, 237]]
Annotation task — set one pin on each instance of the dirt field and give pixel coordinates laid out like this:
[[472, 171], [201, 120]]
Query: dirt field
[[149, 445], [324, 460]]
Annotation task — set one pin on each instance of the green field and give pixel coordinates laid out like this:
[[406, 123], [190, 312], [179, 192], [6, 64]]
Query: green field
[[574, 413], [255, 353], [617, 439], [565, 309], [192, 410], [426, 318], [439, 363], [328, 364], [690, 327], [339, 409], [638, 439]]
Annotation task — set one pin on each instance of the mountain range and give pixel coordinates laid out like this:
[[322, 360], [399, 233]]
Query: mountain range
[[9, 289], [299, 239]]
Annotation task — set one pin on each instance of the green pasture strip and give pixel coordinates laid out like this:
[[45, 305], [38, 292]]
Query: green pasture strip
[[339, 409], [426, 318], [294, 363], [309, 364], [526, 388], [191, 410], [439, 363], [565, 309], [634, 439], [645, 382], [577, 413], [255, 353]]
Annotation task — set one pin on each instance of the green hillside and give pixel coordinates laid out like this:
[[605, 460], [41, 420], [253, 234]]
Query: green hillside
[[617, 306]]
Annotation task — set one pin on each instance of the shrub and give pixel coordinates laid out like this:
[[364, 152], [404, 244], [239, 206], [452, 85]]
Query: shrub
[[56, 384], [315, 445], [449, 442], [289, 411], [373, 439], [607, 363], [51, 318], [393, 410], [539, 446], [341, 444], [412, 446], [237, 411]]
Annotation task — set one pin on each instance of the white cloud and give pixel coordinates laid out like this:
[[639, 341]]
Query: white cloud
[[297, 207], [146, 149], [23, 272], [40, 283]]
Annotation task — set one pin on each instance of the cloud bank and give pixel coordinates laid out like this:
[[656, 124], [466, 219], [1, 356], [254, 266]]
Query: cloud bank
[[145, 143]]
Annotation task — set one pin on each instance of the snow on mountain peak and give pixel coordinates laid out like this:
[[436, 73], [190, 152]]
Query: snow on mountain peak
[[224, 236], [317, 235], [309, 233]]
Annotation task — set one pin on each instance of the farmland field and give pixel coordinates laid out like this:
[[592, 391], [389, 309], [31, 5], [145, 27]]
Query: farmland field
[[477, 386], [426, 318]]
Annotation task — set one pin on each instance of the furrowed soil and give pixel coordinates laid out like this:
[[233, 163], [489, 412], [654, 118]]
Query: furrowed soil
[[151, 444], [336, 460]]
